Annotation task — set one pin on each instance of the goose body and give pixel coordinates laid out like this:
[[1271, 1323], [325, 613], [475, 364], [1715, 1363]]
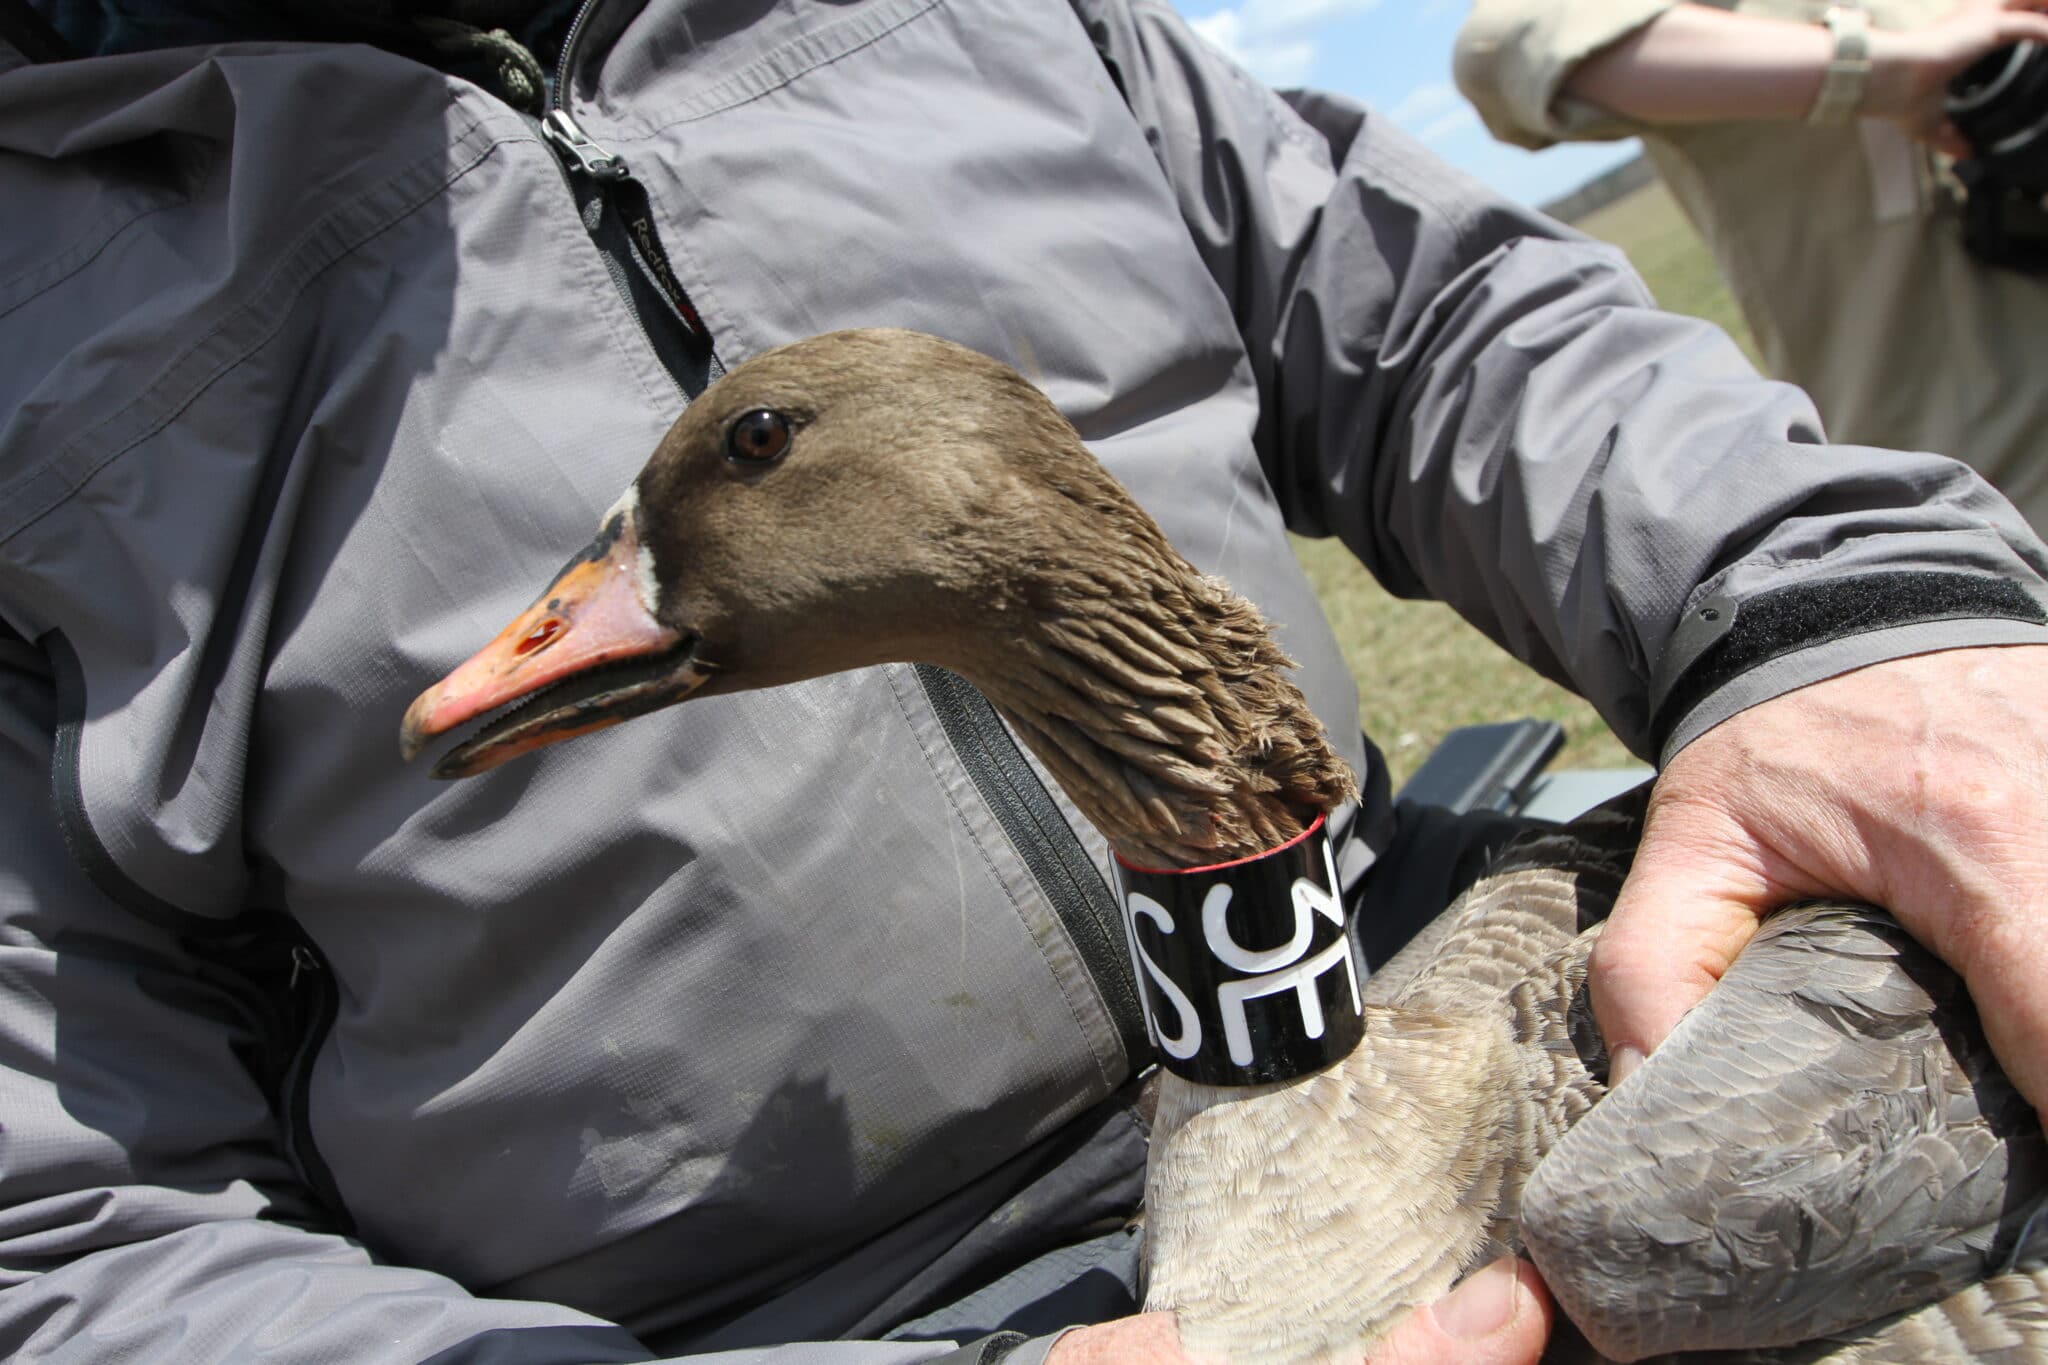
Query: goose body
[[1822, 1163]]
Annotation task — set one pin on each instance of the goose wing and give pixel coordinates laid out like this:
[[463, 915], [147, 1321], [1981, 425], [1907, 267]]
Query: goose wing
[[1825, 1141], [2000, 1321]]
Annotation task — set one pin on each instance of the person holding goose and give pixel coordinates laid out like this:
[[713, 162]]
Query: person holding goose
[[798, 1024]]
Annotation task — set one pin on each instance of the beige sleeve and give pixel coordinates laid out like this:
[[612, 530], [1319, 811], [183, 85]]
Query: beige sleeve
[[1513, 55]]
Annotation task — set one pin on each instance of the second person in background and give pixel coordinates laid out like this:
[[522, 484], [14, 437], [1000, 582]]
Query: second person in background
[[1809, 145]]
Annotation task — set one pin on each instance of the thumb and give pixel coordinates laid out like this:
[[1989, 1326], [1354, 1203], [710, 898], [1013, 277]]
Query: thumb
[[1687, 907], [1499, 1316]]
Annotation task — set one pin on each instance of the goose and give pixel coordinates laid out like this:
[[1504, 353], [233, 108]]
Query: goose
[[1823, 1162]]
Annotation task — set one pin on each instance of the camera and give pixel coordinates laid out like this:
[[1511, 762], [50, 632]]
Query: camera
[[2000, 104]]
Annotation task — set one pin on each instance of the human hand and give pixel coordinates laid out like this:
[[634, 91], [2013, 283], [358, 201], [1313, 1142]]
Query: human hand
[[1920, 785], [1910, 71], [1500, 1316]]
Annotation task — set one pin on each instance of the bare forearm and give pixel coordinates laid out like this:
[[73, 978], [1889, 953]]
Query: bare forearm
[[1693, 64]]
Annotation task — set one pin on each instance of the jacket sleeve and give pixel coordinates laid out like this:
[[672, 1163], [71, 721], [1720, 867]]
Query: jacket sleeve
[[1514, 56], [1490, 410], [147, 1211]]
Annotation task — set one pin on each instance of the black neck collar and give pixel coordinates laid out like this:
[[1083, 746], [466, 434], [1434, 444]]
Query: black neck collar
[[1247, 968]]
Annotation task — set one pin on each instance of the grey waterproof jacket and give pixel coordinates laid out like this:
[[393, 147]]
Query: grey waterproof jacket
[[780, 1017]]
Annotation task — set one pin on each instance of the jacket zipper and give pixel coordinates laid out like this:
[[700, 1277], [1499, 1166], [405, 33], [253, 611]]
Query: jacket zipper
[[246, 947], [314, 1001], [1054, 854], [619, 218]]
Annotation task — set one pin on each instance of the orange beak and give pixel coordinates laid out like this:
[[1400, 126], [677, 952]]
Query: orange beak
[[588, 653]]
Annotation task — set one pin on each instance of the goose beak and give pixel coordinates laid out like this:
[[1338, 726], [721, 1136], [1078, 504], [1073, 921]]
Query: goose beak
[[586, 655]]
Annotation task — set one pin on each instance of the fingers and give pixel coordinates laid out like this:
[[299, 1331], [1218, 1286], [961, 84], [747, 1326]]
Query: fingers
[[1500, 1316], [2015, 1026], [1688, 906], [1141, 1339], [1948, 139], [2021, 25], [2018, 21], [1952, 814], [1992, 932], [1912, 68], [1920, 785]]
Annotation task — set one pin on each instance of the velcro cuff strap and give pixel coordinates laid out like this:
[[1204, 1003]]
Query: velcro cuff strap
[[1721, 639]]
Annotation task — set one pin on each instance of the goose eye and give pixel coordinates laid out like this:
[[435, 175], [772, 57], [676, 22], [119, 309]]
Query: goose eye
[[758, 437]]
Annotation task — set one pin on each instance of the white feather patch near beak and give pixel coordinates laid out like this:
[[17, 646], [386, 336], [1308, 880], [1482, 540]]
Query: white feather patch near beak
[[646, 583]]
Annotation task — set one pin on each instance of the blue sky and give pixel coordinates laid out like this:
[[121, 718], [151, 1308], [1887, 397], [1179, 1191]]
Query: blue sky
[[1394, 55]]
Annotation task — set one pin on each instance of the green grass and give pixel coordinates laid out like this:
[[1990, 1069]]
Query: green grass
[[1421, 670]]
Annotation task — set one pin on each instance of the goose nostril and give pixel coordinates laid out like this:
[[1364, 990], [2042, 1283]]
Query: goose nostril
[[540, 637]]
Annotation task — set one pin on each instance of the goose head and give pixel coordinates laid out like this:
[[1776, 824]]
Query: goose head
[[882, 496]]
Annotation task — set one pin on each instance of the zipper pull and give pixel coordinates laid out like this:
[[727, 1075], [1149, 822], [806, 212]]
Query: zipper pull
[[303, 961], [567, 137]]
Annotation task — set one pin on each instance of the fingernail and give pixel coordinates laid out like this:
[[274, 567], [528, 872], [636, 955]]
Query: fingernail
[[1620, 1062], [1483, 1305]]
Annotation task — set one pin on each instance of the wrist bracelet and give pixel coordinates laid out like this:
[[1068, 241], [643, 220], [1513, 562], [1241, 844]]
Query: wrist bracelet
[[1848, 72]]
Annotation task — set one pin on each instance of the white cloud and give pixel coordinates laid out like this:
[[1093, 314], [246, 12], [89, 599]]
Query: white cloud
[[1292, 16], [1274, 39], [1434, 112], [1446, 126], [1426, 102], [1279, 63]]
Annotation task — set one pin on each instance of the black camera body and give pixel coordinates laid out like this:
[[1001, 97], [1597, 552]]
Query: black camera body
[[2000, 104]]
